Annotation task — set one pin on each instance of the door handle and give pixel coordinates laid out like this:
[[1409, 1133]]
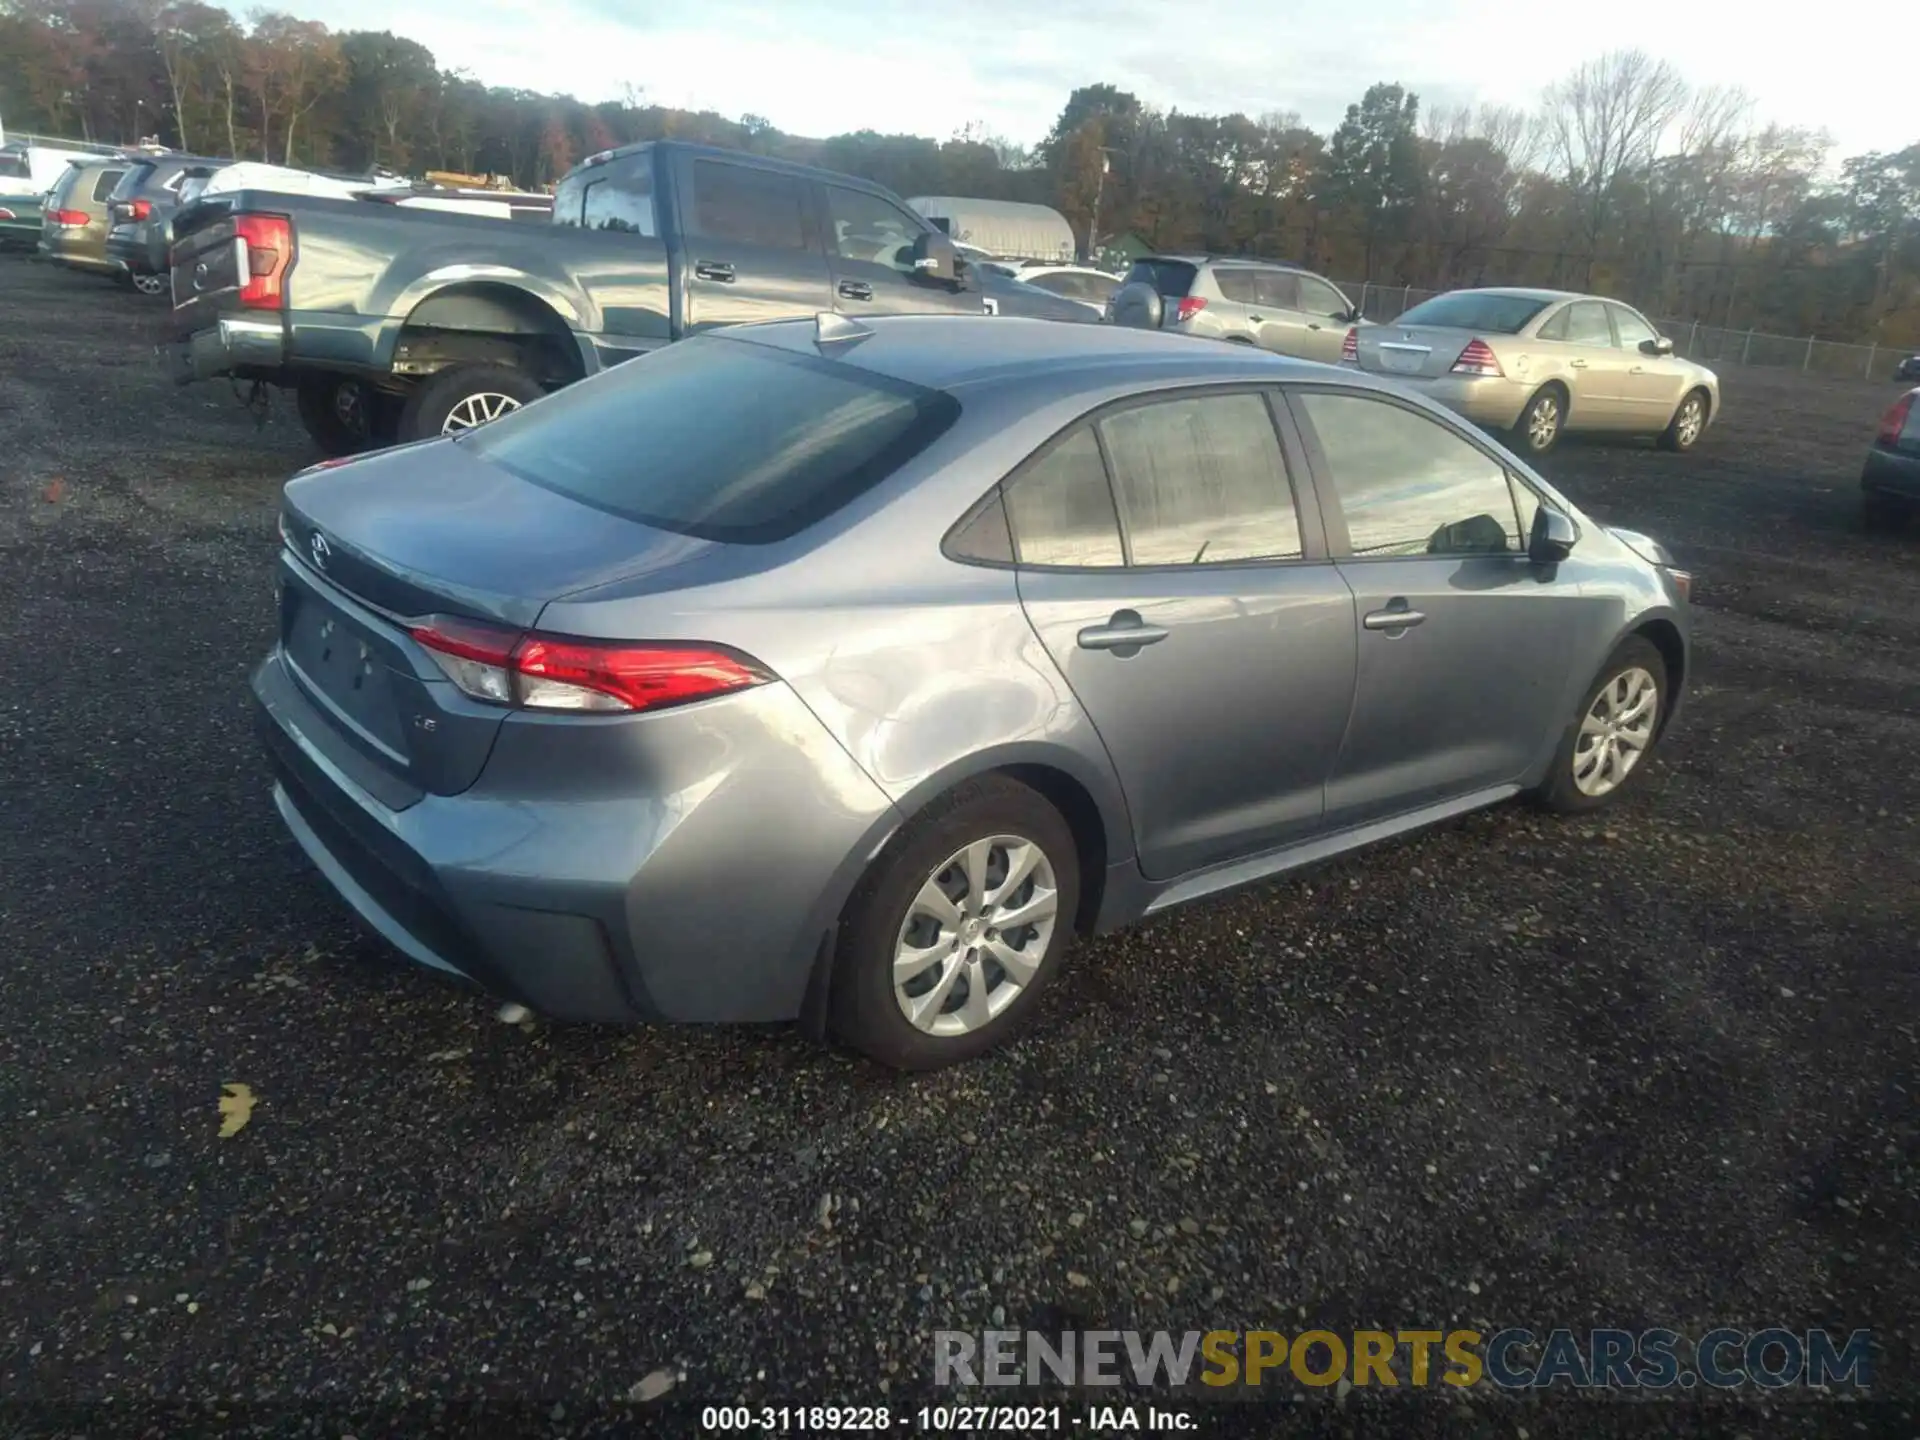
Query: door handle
[[1123, 634], [1257, 320], [1313, 324], [714, 270], [856, 289], [1577, 364], [1394, 617], [1638, 370]]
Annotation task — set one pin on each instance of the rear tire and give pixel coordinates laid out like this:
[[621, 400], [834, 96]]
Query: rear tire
[[1540, 425], [1006, 825], [466, 396], [1579, 778], [1689, 423], [152, 286], [345, 416]]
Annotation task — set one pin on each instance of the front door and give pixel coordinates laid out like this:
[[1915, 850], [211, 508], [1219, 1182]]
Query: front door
[[1651, 388], [1324, 312], [1462, 642], [1165, 567], [752, 248], [870, 251], [1598, 368]]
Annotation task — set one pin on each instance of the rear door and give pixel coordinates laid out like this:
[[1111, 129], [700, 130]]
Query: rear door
[[1323, 311], [752, 241], [1462, 642], [1281, 325], [870, 253], [1186, 597]]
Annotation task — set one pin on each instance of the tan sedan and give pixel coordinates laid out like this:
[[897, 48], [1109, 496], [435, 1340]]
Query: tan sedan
[[1540, 363]]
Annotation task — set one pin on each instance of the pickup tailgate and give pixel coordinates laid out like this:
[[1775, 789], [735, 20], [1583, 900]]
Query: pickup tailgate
[[210, 262]]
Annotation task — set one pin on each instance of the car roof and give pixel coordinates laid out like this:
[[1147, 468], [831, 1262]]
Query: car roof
[[1228, 260], [1524, 292], [948, 352]]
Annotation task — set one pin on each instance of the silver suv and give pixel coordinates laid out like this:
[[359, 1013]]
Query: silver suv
[[1278, 307]]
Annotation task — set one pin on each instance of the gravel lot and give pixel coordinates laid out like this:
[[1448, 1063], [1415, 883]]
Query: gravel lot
[[1654, 1070]]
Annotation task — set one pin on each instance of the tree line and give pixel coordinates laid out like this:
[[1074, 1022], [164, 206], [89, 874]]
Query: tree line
[[1624, 179]]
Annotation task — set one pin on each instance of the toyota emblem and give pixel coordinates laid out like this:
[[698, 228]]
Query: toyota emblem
[[320, 550]]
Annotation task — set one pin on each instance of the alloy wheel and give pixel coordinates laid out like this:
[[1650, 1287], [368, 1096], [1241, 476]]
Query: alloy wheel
[[478, 410], [1615, 733], [1687, 428], [975, 935], [1543, 422], [150, 284]]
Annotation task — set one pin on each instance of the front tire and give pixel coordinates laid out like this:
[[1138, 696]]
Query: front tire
[[957, 928], [1687, 425], [465, 397], [1613, 733], [1540, 424]]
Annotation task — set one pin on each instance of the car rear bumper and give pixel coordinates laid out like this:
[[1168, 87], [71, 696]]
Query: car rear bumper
[[79, 255], [1889, 472], [1491, 400], [127, 246], [232, 345], [588, 904]]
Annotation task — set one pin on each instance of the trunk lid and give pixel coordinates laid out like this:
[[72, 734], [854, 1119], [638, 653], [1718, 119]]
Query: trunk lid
[[1420, 352], [424, 530]]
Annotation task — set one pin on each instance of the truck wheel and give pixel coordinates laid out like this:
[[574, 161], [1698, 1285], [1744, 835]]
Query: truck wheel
[[345, 416], [466, 396]]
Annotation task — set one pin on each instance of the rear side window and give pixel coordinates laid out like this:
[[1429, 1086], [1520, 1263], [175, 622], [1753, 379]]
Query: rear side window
[[1239, 286], [1587, 325], [1278, 289], [671, 440], [1202, 481], [1555, 328], [1475, 310], [749, 206], [616, 197], [103, 187], [1172, 278], [1061, 508]]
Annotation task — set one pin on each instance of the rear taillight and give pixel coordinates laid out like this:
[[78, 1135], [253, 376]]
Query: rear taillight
[[139, 209], [268, 243], [69, 219], [1894, 422], [1190, 306], [545, 672], [1477, 359], [1350, 347], [6, 214]]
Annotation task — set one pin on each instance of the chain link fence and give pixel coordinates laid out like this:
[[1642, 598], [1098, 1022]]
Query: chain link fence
[[1714, 345]]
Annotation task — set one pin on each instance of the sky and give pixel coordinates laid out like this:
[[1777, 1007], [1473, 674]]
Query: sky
[[819, 67]]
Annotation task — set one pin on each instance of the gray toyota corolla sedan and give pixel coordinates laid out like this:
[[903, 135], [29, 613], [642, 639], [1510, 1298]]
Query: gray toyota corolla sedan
[[845, 672]]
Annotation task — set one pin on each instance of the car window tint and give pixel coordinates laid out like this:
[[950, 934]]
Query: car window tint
[[983, 535], [1100, 287], [1408, 485], [665, 440], [749, 206], [620, 201], [1319, 298], [1278, 289], [1587, 324], [103, 187], [1630, 327], [1061, 507], [1236, 285], [1555, 328], [1202, 480], [867, 228]]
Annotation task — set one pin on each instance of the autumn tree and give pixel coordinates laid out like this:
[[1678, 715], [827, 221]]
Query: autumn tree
[[1373, 168]]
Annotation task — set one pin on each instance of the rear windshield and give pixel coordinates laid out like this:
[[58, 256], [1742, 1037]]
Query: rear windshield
[[1172, 278], [720, 439], [130, 182], [1469, 310]]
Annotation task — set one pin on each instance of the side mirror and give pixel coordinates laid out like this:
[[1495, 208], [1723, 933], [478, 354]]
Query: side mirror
[[1552, 539], [934, 257], [1659, 345]]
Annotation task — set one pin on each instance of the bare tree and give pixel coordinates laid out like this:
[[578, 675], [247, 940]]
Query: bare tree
[[1605, 122]]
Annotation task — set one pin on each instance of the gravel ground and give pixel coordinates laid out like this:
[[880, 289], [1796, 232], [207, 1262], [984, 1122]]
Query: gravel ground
[[1657, 1069]]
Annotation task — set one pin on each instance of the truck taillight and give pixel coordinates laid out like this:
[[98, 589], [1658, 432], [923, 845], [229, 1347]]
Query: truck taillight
[[1477, 359], [267, 244], [545, 672], [1895, 420], [1350, 347]]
